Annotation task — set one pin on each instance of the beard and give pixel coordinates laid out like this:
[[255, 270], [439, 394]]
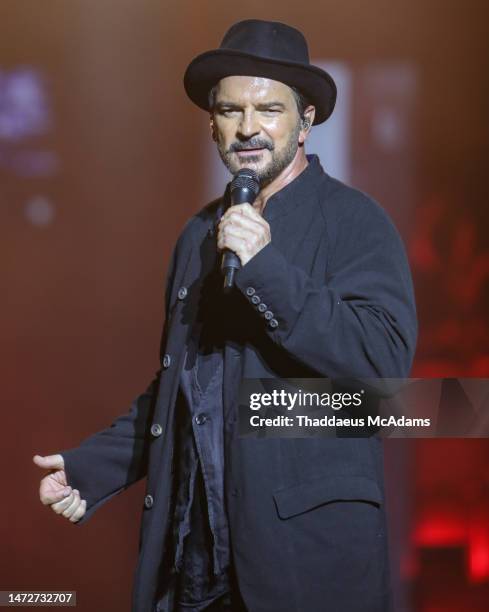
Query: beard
[[279, 161]]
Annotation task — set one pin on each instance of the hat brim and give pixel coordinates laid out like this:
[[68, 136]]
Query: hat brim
[[208, 68]]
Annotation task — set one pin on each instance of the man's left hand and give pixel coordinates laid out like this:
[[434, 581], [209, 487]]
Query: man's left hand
[[243, 230]]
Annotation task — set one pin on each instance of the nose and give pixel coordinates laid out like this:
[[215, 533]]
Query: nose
[[249, 125]]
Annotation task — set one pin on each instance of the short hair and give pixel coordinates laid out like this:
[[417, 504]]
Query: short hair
[[300, 99]]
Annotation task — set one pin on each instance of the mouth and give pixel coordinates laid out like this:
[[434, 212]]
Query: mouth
[[250, 152]]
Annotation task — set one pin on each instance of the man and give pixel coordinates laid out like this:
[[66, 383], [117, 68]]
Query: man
[[324, 290]]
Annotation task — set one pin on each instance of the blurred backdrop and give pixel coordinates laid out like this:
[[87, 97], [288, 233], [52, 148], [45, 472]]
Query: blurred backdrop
[[103, 159]]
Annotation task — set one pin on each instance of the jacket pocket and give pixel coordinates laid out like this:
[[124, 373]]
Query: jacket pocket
[[305, 496]]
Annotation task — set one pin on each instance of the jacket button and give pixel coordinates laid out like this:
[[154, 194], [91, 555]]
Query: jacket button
[[273, 323], [182, 293], [156, 429], [262, 307], [250, 291], [255, 299], [166, 361], [201, 418], [234, 492], [148, 501], [268, 315]]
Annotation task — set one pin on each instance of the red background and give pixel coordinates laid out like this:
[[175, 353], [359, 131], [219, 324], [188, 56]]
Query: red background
[[83, 295]]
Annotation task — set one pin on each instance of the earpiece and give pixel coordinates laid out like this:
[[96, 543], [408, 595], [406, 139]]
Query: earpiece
[[306, 123]]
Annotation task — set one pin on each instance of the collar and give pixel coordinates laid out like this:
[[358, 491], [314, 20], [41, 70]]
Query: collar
[[290, 196], [296, 192]]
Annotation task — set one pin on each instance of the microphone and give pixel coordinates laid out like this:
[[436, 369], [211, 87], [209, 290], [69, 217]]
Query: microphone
[[244, 188]]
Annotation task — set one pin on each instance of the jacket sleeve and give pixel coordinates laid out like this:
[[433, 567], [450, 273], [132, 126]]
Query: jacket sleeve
[[109, 461], [360, 320]]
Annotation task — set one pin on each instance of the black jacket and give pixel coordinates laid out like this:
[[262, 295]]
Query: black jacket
[[307, 516]]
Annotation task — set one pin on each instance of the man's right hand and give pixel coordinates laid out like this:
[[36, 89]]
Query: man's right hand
[[54, 491]]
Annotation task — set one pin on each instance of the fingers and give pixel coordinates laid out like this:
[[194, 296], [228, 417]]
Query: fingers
[[240, 221], [72, 508], [228, 233], [63, 499], [244, 231], [240, 242], [79, 512], [244, 211], [49, 496], [62, 504], [49, 462], [245, 217]]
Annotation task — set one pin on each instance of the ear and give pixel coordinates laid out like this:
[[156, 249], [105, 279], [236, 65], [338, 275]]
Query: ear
[[307, 122], [212, 127]]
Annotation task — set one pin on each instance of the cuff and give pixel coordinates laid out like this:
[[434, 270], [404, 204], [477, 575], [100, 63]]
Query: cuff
[[261, 281]]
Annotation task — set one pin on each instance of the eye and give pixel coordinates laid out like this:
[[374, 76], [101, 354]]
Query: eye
[[271, 111], [228, 112]]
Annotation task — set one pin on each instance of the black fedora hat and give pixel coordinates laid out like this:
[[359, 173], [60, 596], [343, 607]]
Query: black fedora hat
[[267, 49]]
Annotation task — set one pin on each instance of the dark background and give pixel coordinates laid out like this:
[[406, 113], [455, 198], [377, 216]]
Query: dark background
[[101, 163]]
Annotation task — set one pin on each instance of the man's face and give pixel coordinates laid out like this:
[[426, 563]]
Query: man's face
[[256, 125]]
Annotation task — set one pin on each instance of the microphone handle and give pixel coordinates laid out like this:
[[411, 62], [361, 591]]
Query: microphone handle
[[230, 261]]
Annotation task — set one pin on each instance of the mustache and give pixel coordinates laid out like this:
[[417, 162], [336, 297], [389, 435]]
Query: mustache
[[254, 143]]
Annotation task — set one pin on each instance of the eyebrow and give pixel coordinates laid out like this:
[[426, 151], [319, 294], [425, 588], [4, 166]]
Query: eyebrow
[[261, 106]]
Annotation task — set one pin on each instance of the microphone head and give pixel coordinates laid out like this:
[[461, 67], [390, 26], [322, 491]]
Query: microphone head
[[246, 179]]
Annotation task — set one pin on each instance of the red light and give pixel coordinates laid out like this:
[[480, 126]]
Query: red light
[[479, 553]]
